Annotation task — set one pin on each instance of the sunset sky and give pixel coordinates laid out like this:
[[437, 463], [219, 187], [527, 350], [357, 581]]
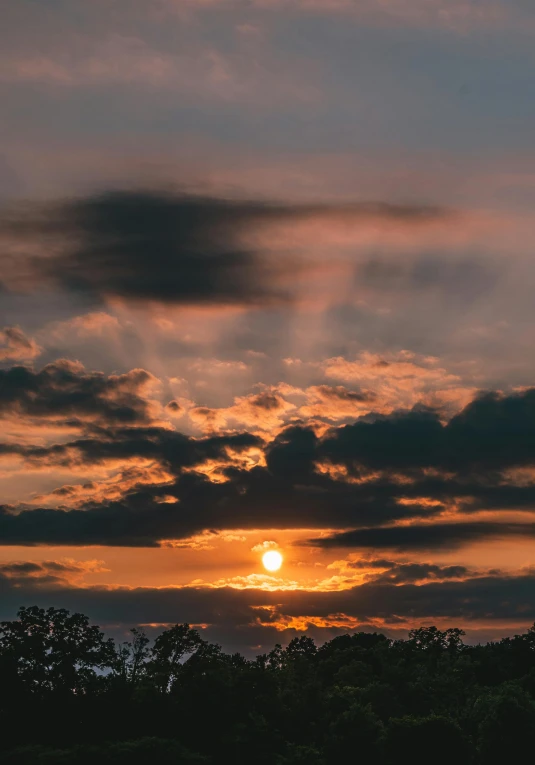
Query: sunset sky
[[267, 283]]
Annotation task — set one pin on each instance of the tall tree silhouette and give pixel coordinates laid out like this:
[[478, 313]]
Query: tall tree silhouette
[[169, 649], [53, 650]]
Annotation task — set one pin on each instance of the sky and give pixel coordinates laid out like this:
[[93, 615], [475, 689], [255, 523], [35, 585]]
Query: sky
[[266, 283]]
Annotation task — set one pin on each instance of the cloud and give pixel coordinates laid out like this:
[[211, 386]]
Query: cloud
[[196, 71], [243, 498], [492, 432], [114, 488], [47, 573], [336, 403], [380, 470], [266, 410], [174, 408], [380, 383], [406, 573], [16, 346], [263, 546], [65, 394], [169, 248], [403, 379], [429, 536], [98, 324], [380, 386], [253, 617], [458, 16], [399, 572], [146, 444]]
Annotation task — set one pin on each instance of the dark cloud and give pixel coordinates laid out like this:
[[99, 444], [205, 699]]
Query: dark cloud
[[405, 573], [266, 401], [404, 466], [145, 246], [491, 433], [64, 392], [340, 393], [102, 445], [249, 618], [435, 536], [120, 525], [170, 249], [47, 573], [252, 499], [175, 408], [26, 567], [31, 568]]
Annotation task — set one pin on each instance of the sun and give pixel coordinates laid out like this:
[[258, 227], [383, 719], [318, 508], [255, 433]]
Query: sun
[[272, 560]]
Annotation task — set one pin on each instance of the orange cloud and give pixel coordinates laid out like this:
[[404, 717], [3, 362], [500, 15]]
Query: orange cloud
[[401, 380], [16, 346], [113, 488], [98, 324], [264, 411]]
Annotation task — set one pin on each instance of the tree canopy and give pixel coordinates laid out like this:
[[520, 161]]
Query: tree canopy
[[181, 699]]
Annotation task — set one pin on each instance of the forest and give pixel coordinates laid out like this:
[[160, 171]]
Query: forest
[[72, 695]]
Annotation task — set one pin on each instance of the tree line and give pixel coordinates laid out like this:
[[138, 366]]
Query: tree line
[[71, 695]]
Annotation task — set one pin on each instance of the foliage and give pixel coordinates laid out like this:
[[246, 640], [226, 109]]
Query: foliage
[[183, 701]]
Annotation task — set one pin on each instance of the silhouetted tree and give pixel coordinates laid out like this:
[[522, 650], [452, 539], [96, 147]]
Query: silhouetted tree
[[54, 650], [183, 700], [132, 657], [169, 650], [431, 638]]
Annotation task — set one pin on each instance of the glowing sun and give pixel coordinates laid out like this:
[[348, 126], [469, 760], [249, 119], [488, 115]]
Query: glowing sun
[[272, 560]]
